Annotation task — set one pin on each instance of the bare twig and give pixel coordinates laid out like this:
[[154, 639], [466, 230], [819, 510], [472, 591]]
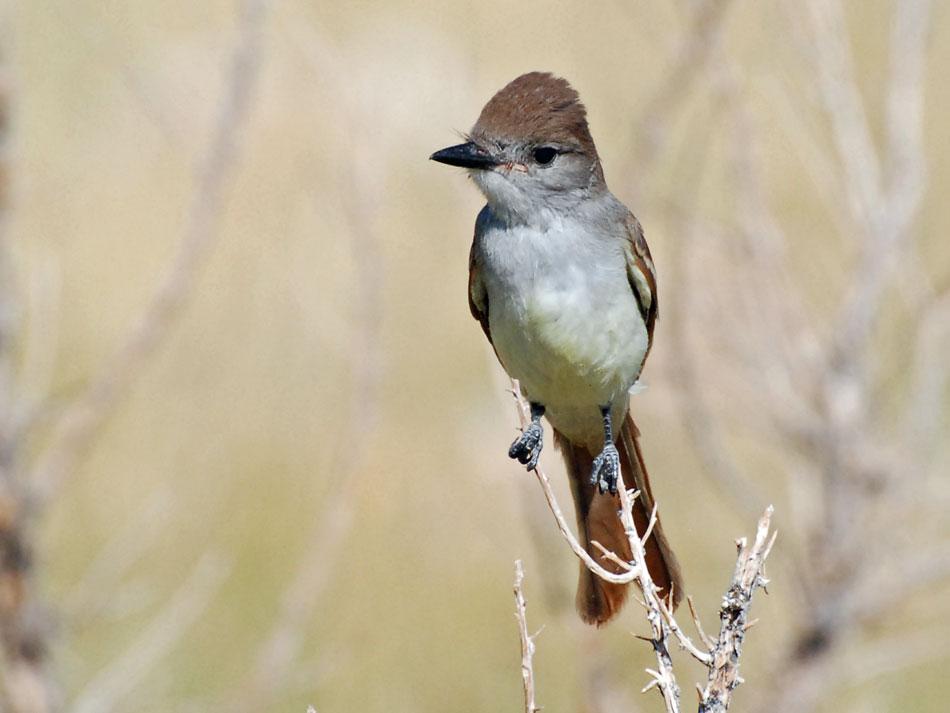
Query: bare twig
[[527, 643], [733, 615], [722, 656], [707, 642], [593, 566], [663, 678]]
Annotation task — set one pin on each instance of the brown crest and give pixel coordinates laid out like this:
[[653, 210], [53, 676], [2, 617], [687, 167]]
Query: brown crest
[[536, 107]]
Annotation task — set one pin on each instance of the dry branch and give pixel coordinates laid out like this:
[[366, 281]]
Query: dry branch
[[527, 643], [721, 657], [565, 530], [733, 615]]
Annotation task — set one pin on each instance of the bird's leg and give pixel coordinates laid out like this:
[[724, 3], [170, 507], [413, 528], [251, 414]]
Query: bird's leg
[[527, 449], [607, 464]]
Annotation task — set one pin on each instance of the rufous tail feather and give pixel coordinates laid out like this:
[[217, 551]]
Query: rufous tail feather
[[598, 601]]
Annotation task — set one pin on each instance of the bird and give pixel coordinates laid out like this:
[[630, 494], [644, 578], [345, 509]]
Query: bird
[[564, 287]]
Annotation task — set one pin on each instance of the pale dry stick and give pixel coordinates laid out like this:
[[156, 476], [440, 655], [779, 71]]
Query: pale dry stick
[[704, 657], [84, 416], [123, 675], [611, 556], [722, 658], [707, 642], [733, 615], [527, 643], [632, 569], [582, 554], [663, 677]]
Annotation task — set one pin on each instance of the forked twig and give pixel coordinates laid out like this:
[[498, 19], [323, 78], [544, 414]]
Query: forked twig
[[591, 564], [721, 657]]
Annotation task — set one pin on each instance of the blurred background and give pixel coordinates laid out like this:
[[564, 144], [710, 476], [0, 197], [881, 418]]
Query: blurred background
[[253, 445]]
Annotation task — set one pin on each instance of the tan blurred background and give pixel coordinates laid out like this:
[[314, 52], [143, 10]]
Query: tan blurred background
[[291, 487]]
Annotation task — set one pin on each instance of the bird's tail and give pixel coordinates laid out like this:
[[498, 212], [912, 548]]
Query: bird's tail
[[598, 601]]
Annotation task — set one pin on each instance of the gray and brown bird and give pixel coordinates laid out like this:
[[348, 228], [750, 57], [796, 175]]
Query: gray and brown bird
[[562, 282]]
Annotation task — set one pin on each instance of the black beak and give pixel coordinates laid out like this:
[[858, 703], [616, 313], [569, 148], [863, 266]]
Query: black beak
[[467, 155]]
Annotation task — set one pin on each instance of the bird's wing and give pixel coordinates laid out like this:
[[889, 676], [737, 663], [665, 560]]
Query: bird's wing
[[477, 294], [641, 274]]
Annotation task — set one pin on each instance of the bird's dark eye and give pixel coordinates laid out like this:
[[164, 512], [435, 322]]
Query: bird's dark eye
[[543, 155]]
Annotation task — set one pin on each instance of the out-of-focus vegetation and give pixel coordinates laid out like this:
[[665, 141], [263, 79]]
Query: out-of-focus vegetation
[[324, 357]]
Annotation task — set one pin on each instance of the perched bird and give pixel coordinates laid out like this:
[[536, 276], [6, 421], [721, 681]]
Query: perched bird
[[562, 282]]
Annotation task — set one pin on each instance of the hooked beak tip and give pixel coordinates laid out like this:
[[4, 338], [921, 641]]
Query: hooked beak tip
[[467, 155]]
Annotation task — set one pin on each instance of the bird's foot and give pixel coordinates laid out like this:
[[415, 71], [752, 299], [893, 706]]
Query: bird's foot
[[606, 469], [527, 449]]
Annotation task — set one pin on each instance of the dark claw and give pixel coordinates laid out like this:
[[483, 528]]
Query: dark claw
[[527, 449], [606, 469]]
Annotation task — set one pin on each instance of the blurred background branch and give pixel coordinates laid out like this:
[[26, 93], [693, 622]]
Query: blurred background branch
[[79, 420], [34, 476], [362, 188], [816, 375]]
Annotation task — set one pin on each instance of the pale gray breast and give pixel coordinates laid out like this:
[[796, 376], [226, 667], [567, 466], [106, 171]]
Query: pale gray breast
[[563, 317]]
